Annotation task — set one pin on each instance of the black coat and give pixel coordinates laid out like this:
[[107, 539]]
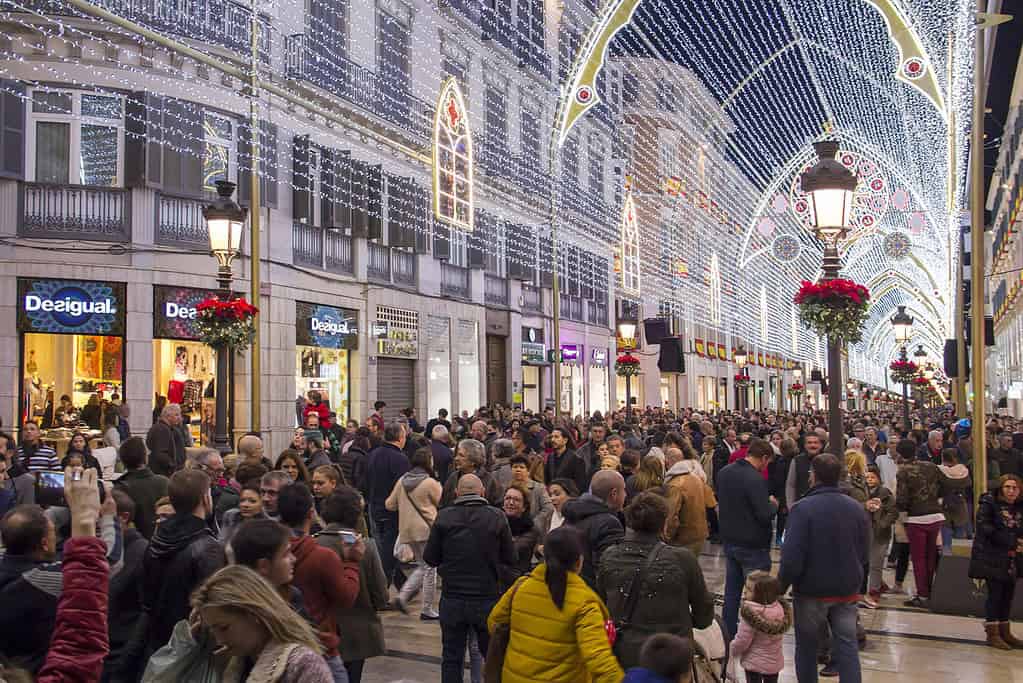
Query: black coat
[[568, 465], [468, 543], [166, 449], [744, 508], [999, 528], [144, 488], [600, 528], [125, 599]]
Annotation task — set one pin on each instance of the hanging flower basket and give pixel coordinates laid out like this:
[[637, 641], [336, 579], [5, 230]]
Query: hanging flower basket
[[834, 308], [903, 371], [921, 382], [229, 323], [796, 389], [742, 381], [626, 365]]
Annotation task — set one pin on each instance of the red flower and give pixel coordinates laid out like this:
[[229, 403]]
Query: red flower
[[627, 359]]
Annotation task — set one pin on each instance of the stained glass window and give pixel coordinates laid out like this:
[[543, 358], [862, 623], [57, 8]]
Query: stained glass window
[[452, 159], [630, 246]]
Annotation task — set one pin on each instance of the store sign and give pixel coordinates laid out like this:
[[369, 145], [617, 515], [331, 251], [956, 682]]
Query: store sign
[[534, 351], [71, 307], [571, 353], [598, 357], [174, 311], [326, 327], [395, 342]]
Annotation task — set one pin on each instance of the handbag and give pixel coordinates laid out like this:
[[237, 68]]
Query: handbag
[[183, 659], [622, 624], [498, 646]]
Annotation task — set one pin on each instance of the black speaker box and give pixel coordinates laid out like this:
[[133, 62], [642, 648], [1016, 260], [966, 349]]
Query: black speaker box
[[951, 358], [655, 329], [815, 376], [671, 358], [989, 331]]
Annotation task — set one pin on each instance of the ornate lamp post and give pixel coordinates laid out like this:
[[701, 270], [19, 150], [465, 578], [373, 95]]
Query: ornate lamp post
[[903, 324], [741, 359], [224, 222], [627, 330], [830, 186]]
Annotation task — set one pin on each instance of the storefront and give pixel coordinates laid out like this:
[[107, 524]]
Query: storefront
[[438, 365], [467, 344], [572, 389], [325, 340], [534, 359], [184, 369], [71, 342], [396, 338], [598, 377]]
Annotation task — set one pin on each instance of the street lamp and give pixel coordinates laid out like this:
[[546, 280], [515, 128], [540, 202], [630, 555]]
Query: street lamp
[[627, 331], [830, 186], [224, 222], [903, 324], [741, 358]]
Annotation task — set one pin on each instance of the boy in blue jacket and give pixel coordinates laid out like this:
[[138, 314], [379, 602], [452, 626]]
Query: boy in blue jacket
[[664, 658]]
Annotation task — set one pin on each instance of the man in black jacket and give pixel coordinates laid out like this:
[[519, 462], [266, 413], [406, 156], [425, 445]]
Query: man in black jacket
[[467, 543], [181, 555], [595, 514], [141, 485], [588, 451], [1009, 459], [797, 483], [166, 447], [563, 463], [386, 465], [124, 599], [745, 510]]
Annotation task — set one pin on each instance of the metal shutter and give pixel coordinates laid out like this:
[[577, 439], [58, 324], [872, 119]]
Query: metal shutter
[[396, 385]]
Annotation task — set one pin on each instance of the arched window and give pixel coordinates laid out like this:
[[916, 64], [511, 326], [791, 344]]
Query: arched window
[[715, 290], [630, 246], [452, 159]]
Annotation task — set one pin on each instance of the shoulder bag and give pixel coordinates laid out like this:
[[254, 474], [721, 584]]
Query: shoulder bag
[[498, 646], [624, 622], [403, 551]]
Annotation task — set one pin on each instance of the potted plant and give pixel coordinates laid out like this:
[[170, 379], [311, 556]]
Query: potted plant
[[834, 308], [226, 322]]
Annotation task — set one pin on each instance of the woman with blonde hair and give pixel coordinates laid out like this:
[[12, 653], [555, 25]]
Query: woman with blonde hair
[[649, 475], [266, 640], [856, 469]]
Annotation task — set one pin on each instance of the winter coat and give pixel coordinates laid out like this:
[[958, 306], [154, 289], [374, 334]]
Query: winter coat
[[469, 540], [492, 491], [1010, 461], [567, 645], [673, 598], [328, 583], [855, 486], [957, 486], [600, 529], [882, 520], [757, 644], [777, 474], [166, 450], [999, 528], [442, 459], [827, 545], [361, 632], [125, 604], [640, 675], [690, 497], [568, 465], [144, 488], [385, 466], [79, 643], [920, 488], [525, 536], [420, 488], [321, 411], [744, 507]]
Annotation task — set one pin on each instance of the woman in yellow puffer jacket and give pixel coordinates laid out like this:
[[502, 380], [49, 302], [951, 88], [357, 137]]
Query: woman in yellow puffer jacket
[[557, 621]]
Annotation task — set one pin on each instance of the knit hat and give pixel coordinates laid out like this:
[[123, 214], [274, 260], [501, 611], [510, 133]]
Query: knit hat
[[314, 435]]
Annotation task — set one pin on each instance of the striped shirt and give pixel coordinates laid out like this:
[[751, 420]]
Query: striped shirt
[[36, 458]]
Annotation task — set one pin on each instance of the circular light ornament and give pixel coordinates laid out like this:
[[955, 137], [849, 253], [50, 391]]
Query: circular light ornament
[[779, 204], [917, 223], [897, 245], [914, 68], [870, 200], [900, 199], [786, 248], [584, 95], [765, 227]]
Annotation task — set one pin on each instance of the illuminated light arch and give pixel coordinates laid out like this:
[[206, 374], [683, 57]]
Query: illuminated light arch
[[452, 159]]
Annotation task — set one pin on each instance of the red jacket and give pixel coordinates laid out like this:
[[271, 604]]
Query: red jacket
[[321, 411], [327, 583], [79, 643]]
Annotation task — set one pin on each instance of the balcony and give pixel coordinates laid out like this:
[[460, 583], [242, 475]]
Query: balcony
[[358, 85], [495, 290], [596, 313], [403, 267], [179, 222], [454, 281], [82, 212], [532, 299], [338, 256], [327, 250], [571, 308], [216, 22], [378, 266]]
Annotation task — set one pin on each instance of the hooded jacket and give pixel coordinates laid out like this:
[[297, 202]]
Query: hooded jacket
[[957, 483], [757, 644], [328, 583], [690, 497], [999, 528], [415, 489], [882, 520], [600, 529]]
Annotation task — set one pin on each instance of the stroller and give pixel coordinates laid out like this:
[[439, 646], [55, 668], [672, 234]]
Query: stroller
[[710, 653]]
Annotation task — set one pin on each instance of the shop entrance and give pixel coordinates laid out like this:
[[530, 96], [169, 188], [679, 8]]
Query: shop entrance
[[532, 394], [497, 370], [325, 339]]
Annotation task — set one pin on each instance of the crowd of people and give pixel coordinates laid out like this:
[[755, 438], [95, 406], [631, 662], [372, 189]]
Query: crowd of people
[[545, 548]]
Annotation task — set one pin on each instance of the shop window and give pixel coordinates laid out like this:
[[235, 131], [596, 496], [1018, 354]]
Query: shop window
[[468, 365], [76, 138], [219, 159], [183, 371], [438, 364], [452, 159]]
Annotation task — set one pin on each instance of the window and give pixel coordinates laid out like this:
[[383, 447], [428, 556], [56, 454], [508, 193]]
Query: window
[[496, 248], [452, 160], [459, 249], [531, 22], [76, 138], [393, 47], [630, 247], [218, 158], [495, 120], [529, 129]]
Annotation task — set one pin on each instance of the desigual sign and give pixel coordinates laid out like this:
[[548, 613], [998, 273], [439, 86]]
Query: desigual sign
[[71, 306], [174, 311], [326, 327]]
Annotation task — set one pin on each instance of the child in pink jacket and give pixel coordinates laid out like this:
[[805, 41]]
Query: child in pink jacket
[[763, 621]]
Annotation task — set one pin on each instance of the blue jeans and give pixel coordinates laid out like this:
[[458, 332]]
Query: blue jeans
[[809, 616], [337, 669], [385, 527], [739, 562], [459, 616]]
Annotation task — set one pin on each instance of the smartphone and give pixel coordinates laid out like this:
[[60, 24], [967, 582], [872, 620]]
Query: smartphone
[[50, 488], [349, 537]]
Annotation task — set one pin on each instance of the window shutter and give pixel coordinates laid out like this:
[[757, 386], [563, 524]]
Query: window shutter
[[400, 212], [441, 241], [136, 128], [12, 130], [182, 160], [268, 166], [545, 265], [301, 208], [244, 192], [340, 194], [423, 218], [374, 202], [360, 223], [477, 241], [513, 252]]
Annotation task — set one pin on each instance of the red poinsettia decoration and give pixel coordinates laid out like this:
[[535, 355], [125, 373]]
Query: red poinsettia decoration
[[742, 380], [236, 309], [903, 371], [834, 308], [796, 387], [627, 365], [226, 322], [922, 382], [832, 292]]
